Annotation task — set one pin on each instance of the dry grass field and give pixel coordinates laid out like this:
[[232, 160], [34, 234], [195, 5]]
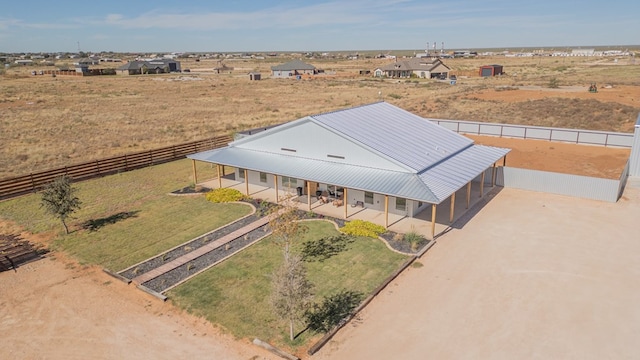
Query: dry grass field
[[46, 122]]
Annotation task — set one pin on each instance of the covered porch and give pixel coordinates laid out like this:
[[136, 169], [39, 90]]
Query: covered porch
[[431, 222]]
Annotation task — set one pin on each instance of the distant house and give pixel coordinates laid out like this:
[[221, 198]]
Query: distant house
[[426, 68], [292, 69], [155, 66], [132, 68], [24, 62]]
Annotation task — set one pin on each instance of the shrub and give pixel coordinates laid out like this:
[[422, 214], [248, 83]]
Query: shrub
[[414, 239], [362, 228], [224, 195]]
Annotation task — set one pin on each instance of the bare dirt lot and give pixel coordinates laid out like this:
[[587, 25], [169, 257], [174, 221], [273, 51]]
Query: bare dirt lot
[[56, 309], [585, 160], [50, 122], [532, 275]]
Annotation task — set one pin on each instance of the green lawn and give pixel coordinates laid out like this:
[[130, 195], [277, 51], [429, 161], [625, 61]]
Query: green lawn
[[236, 293], [154, 221]]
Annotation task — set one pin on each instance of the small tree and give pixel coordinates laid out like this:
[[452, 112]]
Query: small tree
[[292, 292], [58, 199]]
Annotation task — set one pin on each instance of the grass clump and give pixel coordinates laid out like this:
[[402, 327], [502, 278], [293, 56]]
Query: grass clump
[[224, 195], [414, 238], [362, 228]]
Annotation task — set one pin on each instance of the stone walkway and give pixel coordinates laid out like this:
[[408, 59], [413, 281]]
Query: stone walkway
[[199, 251]]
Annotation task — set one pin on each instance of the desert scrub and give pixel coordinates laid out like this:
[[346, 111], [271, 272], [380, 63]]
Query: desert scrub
[[224, 195], [414, 238], [362, 228]]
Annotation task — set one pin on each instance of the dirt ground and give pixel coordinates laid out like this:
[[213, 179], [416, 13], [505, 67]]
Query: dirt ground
[[531, 276], [586, 160], [56, 309]]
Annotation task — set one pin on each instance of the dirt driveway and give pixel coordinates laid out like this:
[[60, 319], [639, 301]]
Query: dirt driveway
[[532, 275], [52, 309]]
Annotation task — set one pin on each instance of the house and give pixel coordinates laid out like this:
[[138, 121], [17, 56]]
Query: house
[[376, 156], [426, 68], [154, 66], [293, 68], [132, 68]]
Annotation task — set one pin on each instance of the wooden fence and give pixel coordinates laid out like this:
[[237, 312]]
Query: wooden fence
[[33, 182]]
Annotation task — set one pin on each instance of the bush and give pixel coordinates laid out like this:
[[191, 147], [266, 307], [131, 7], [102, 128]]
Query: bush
[[224, 195], [362, 228], [414, 239]]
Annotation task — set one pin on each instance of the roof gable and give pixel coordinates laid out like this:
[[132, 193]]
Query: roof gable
[[307, 139], [398, 134]]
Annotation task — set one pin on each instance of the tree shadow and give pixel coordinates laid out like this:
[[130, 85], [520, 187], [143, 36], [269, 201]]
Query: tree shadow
[[96, 224], [333, 310], [324, 248]]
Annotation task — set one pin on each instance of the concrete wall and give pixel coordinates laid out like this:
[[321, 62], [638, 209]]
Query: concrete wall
[[634, 159], [557, 183]]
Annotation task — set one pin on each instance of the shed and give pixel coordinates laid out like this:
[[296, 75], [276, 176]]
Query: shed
[[490, 70], [254, 76]]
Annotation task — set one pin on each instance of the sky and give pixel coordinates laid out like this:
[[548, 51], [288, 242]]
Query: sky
[[303, 25]]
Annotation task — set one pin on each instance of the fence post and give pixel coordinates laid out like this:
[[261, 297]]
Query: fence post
[[126, 166], [606, 140], [33, 184], [150, 157], [98, 166], [525, 133]]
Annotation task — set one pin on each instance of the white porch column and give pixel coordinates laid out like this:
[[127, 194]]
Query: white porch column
[[493, 175], [309, 194], [482, 183]]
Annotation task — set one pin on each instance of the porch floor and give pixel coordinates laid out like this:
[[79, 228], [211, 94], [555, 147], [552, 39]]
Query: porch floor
[[421, 223]]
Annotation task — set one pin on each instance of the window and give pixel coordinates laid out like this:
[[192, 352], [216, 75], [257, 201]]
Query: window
[[368, 197], [401, 204], [288, 182], [263, 177], [241, 171], [419, 204]]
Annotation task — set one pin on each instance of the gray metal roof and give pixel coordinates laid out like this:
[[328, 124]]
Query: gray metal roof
[[396, 133], [293, 65], [438, 161], [395, 183]]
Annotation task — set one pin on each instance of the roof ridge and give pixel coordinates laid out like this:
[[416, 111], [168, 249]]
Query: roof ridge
[[346, 109]]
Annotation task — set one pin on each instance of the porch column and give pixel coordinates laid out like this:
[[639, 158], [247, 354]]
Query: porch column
[[309, 194], [219, 177], [246, 181], [275, 184], [223, 174], [386, 211], [493, 175], [482, 183], [504, 161], [344, 202], [433, 221], [195, 173], [453, 206], [468, 194]]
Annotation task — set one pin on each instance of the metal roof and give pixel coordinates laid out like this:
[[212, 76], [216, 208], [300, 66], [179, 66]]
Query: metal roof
[[293, 65], [394, 183], [407, 138], [437, 161]]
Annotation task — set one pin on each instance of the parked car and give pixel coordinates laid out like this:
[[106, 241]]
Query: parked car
[[453, 77]]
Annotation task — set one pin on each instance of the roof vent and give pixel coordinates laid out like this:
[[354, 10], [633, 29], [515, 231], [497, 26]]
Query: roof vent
[[287, 149], [335, 156]]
